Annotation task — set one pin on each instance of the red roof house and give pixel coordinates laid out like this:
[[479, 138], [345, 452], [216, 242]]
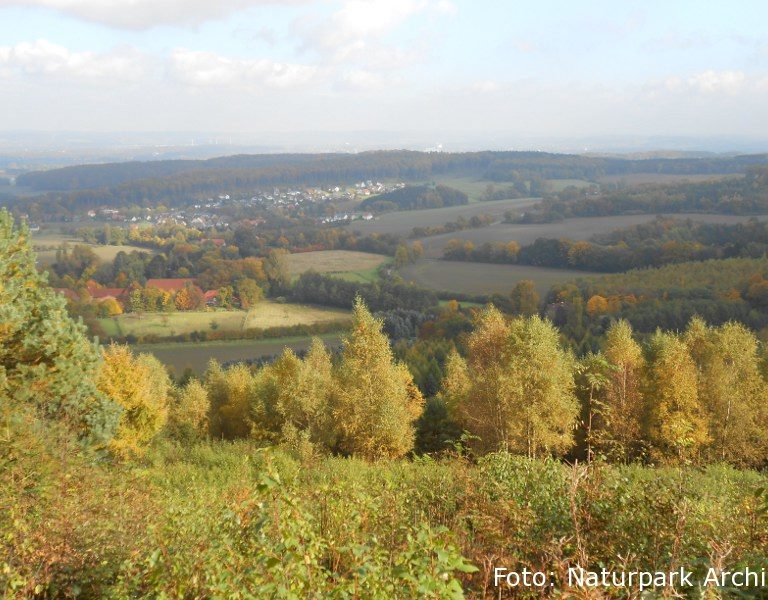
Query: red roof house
[[170, 285]]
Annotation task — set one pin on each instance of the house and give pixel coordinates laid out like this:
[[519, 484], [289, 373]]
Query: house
[[211, 298], [101, 294], [170, 285], [70, 294]]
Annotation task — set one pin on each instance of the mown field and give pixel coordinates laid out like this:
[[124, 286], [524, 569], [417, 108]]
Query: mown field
[[196, 355], [481, 278], [46, 242], [346, 264], [403, 222], [275, 314], [575, 229], [264, 315], [176, 323]]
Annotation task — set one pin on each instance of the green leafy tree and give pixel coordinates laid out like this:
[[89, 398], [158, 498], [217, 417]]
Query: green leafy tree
[[45, 357]]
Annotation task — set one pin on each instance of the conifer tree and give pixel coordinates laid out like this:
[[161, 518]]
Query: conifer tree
[[45, 357], [376, 401]]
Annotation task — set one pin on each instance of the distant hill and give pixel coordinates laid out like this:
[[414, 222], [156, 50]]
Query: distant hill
[[179, 181], [414, 197]]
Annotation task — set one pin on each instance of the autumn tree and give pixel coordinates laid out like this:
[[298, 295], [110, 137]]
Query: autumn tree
[[248, 292], [140, 385], [515, 391], [731, 390], [230, 392], [524, 298], [190, 297], [376, 401], [620, 423], [277, 271], [300, 392], [675, 422], [189, 414], [402, 257], [46, 360]]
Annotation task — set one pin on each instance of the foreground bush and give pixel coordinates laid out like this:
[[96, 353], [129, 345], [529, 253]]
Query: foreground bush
[[230, 520]]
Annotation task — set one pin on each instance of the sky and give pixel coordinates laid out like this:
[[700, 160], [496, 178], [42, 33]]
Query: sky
[[487, 68]]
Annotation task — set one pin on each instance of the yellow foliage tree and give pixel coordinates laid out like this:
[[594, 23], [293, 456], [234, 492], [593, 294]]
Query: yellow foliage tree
[[230, 392], [140, 384], [621, 416], [376, 401], [676, 424], [597, 305], [189, 415], [731, 390], [516, 389]]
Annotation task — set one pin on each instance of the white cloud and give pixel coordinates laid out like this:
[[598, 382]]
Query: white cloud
[[43, 58], [718, 81], [209, 69], [143, 14], [709, 82], [356, 31]]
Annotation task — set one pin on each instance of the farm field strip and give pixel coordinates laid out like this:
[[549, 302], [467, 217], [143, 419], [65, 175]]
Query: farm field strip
[[482, 278], [180, 356], [403, 222], [581, 228], [264, 315]]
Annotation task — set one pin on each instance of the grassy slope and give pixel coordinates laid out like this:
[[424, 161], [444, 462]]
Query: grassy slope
[[264, 315]]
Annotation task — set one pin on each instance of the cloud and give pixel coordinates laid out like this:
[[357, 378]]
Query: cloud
[[144, 14], [710, 82], [44, 58], [356, 31], [206, 69]]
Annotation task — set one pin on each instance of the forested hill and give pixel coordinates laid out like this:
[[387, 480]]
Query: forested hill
[[414, 197], [163, 177]]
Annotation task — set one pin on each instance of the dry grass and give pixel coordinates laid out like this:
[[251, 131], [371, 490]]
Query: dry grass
[[274, 314], [333, 261]]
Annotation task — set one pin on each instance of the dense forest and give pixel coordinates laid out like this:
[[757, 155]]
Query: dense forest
[[415, 197], [656, 243], [732, 195]]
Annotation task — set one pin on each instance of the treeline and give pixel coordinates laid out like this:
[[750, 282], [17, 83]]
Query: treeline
[[460, 224], [660, 242], [415, 197], [718, 291], [315, 288], [731, 195], [173, 182]]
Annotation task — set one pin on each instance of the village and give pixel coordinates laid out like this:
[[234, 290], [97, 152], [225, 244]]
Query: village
[[333, 204]]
